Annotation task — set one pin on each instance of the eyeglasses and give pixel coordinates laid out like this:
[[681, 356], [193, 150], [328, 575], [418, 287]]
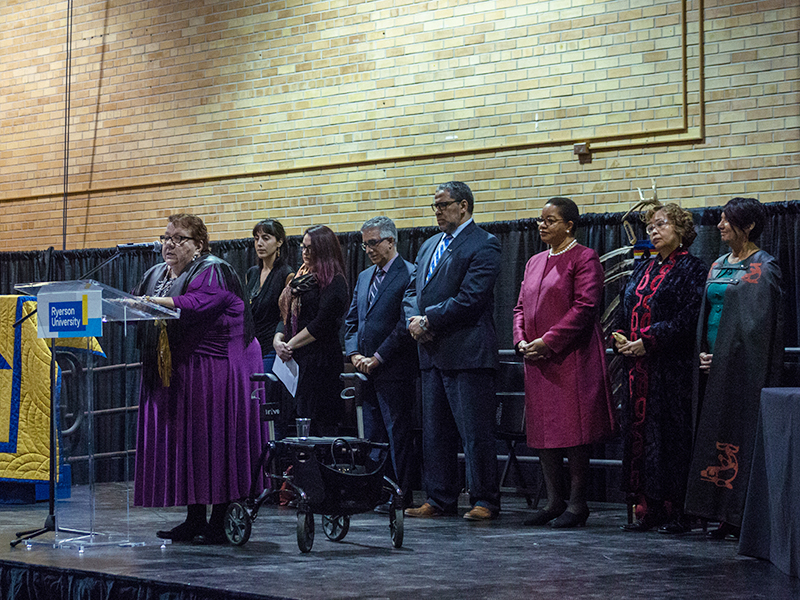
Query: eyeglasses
[[178, 240], [304, 248], [548, 222], [438, 206], [373, 243], [660, 225]]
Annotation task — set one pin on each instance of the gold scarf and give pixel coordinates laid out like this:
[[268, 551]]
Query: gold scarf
[[164, 353]]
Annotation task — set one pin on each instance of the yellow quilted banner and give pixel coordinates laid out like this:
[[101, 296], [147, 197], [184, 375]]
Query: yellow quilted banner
[[25, 391], [24, 395]]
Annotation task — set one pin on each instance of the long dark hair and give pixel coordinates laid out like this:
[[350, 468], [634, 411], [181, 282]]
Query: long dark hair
[[326, 254], [276, 230]]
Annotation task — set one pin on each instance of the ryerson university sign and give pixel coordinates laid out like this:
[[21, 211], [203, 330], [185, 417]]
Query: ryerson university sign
[[64, 314], [67, 316]]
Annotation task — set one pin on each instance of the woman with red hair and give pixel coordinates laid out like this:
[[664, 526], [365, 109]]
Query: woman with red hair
[[312, 307]]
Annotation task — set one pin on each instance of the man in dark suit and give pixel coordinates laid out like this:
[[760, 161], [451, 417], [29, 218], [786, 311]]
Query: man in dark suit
[[449, 312], [379, 345]]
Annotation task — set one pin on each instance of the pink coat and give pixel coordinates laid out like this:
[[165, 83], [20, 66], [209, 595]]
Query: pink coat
[[568, 396]]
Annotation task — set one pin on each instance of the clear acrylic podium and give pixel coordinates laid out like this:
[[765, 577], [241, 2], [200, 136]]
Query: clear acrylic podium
[[94, 513]]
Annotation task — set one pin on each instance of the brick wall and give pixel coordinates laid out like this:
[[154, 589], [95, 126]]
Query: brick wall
[[328, 112]]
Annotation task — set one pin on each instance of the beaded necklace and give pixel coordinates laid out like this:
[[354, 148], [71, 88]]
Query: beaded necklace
[[569, 246]]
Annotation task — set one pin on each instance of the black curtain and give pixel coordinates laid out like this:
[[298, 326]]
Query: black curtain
[[22, 267], [519, 240]]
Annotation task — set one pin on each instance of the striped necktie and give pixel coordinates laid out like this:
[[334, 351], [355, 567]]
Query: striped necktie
[[376, 282], [443, 244]]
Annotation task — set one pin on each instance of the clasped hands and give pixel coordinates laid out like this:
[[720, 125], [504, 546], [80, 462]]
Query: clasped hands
[[282, 349], [363, 363], [636, 348], [627, 348], [416, 330], [535, 350], [705, 361]]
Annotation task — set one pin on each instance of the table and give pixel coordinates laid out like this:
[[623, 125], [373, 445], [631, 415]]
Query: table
[[771, 521]]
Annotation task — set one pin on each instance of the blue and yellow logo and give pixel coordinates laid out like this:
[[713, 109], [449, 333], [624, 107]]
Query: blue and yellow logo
[[68, 316]]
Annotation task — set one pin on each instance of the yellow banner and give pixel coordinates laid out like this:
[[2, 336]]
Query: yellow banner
[[24, 395]]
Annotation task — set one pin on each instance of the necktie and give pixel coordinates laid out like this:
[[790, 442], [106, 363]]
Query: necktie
[[376, 282], [443, 244]]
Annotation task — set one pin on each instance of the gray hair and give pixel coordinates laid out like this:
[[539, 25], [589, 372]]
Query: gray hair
[[384, 225]]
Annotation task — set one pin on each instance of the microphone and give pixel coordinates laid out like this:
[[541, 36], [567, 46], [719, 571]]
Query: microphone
[[154, 246]]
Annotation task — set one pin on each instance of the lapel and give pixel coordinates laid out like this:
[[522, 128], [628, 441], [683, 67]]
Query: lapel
[[536, 274], [424, 260], [387, 279], [363, 291], [459, 240]]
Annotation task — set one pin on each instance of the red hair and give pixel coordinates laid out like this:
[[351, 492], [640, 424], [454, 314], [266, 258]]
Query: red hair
[[326, 254]]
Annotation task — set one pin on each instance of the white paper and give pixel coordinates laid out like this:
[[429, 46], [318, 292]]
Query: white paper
[[288, 373]]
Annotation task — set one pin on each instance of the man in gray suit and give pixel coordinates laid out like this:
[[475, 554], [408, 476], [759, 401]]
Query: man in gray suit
[[379, 345], [450, 314]]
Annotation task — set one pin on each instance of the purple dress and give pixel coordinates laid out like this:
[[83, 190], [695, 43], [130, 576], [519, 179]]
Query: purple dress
[[198, 438]]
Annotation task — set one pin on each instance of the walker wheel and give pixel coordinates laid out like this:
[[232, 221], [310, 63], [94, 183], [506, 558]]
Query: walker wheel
[[305, 530], [335, 526], [396, 517], [238, 524]]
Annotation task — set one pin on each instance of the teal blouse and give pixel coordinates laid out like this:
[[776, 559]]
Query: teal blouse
[[715, 296]]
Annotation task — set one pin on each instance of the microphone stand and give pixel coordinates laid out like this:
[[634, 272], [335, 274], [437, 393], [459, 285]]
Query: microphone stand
[[84, 276], [50, 520]]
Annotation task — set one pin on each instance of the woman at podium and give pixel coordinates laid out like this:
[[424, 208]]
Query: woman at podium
[[198, 430]]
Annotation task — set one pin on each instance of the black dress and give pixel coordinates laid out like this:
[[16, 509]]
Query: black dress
[[661, 307], [264, 302], [320, 362]]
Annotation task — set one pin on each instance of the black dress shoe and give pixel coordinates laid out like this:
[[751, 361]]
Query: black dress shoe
[[725, 531], [675, 527], [383, 509], [570, 519], [211, 537], [544, 515], [185, 532], [646, 523]]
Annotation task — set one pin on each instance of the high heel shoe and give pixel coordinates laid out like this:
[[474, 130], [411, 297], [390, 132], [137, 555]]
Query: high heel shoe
[[545, 515], [570, 519]]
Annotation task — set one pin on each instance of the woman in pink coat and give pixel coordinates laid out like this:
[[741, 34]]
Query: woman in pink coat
[[557, 331]]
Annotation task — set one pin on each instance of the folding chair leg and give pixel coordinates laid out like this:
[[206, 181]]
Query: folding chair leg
[[513, 463]]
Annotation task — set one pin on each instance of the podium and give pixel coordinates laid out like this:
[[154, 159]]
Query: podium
[[92, 514]]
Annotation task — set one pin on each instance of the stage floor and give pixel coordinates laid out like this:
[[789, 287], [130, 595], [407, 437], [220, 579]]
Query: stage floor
[[445, 558]]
